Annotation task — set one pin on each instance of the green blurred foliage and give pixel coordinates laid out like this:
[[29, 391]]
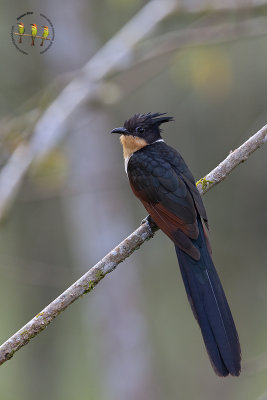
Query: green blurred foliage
[[208, 70]]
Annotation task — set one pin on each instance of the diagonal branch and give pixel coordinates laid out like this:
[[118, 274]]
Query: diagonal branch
[[145, 232], [235, 158]]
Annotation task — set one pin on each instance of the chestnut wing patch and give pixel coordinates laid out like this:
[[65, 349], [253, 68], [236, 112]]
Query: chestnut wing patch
[[177, 230], [169, 202]]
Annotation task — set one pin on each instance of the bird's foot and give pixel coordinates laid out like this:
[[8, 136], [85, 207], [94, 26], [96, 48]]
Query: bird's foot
[[147, 219], [152, 225]]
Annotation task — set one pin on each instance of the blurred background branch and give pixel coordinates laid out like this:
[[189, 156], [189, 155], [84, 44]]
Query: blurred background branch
[[49, 129]]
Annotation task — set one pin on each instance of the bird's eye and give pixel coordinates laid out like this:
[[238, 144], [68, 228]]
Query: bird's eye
[[140, 129]]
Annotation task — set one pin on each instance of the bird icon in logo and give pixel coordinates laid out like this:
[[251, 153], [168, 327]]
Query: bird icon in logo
[[34, 33], [21, 30], [45, 34]]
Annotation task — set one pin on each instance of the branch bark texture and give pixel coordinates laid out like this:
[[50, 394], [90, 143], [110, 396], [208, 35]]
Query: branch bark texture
[[146, 231], [235, 157]]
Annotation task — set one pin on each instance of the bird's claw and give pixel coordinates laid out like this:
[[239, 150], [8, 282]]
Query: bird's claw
[[152, 225], [147, 219]]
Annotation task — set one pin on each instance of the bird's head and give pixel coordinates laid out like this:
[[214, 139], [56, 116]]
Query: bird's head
[[34, 26], [140, 130], [45, 27], [144, 126], [21, 24]]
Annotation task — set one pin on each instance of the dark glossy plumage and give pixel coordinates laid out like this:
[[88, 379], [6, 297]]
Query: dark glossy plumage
[[160, 178], [210, 307]]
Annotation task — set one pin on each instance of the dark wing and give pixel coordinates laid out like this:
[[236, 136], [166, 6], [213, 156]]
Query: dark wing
[[184, 172], [166, 195]]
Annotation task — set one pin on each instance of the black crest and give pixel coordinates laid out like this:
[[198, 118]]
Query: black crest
[[148, 121], [145, 126]]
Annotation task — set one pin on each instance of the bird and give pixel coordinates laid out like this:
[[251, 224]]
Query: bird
[[160, 178], [45, 34], [34, 33], [21, 30]]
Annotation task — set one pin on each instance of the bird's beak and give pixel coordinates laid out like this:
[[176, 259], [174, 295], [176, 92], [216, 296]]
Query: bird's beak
[[121, 131]]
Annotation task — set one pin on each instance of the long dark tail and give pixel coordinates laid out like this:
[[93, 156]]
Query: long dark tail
[[210, 307]]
